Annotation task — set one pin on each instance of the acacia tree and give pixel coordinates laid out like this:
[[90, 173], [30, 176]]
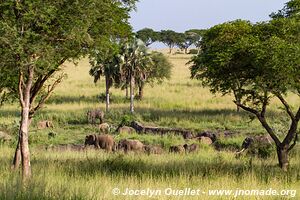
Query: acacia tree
[[148, 36], [188, 38], [221, 40], [170, 38], [195, 36], [37, 37], [258, 64]]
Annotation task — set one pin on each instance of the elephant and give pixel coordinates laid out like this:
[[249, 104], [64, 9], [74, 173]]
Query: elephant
[[105, 141], [208, 134], [260, 145], [92, 115], [191, 148], [205, 140], [125, 129], [104, 128], [151, 149], [130, 145], [187, 135], [45, 124], [176, 149], [51, 135]]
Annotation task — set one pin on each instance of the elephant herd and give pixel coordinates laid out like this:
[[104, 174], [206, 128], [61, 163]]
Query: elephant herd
[[108, 143]]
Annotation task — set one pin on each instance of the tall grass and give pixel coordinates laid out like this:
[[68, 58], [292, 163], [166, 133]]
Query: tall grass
[[179, 102], [93, 174]]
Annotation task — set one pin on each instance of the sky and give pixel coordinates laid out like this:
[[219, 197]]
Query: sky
[[181, 15]]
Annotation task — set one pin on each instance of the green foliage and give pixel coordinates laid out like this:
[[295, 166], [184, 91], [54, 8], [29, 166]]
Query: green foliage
[[195, 36], [160, 68], [127, 119], [238, 58], [43, 35], [170, 38], [188, 38], [291, 9], [255, 63], [193, 51], [147, 35]]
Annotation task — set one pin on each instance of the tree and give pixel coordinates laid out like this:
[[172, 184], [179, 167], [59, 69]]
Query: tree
[[158, 70], [189, 38], [106, 65], [170, 38], [220, 42], [291, 9], [7, 92], [147, 35], [38, 37], [134, 63], [256, 63], [196, 36]]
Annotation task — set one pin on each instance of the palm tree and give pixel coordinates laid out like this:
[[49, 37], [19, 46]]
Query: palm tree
[[135, 62], [107, 66]]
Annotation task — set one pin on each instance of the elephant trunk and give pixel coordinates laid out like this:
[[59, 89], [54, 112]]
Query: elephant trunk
[[241, 151]]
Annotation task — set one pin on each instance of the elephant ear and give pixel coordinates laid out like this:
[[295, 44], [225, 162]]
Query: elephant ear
[[94, 137], [185, 146]]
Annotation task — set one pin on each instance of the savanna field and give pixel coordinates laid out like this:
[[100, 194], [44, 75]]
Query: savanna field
[[177, 103]]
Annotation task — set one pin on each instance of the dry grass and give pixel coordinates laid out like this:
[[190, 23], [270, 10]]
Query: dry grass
[[178, 102]]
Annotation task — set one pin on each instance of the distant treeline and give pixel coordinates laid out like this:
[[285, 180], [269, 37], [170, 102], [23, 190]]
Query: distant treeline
[[171, 38]]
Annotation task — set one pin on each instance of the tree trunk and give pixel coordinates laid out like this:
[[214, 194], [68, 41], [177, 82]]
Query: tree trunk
[[141, 91], [238, 100], [24, 126], [24, 97], [283, 157], [185, 50], [131, 93], [237, 107], [170, 50], [107, 94], [17, 157], [126, 92]]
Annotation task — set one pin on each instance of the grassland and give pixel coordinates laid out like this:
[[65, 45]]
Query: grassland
[[179, 102]]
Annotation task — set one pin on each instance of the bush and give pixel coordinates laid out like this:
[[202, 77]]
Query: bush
[[193, 51]]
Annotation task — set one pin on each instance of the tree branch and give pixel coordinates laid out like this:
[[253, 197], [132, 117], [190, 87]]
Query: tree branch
[[21, 82], [29, 85], [286, 105], [39, 84], [298, 115], [253, 111], [269, 130], [46, 97], [264, 105], [262, 121], [294, 143], [41, 81]]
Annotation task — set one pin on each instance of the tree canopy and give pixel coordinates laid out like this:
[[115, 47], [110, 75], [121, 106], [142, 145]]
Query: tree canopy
[[170, 38], [255, 62], [148, 36], [37, 37]]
